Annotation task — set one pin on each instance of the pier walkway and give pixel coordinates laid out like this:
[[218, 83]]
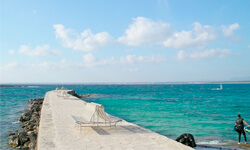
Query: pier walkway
[[57, 130]]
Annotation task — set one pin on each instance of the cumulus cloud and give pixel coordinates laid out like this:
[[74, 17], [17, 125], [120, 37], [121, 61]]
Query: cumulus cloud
[[85, 41], [198, 38], [229, 31], [38, 50], [90, 60], [145, 31], [221, 53]]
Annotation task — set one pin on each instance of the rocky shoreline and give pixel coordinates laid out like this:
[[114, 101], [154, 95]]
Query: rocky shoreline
[[27, 138]]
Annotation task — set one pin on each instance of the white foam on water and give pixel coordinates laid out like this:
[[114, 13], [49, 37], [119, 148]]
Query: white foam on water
[[33, 86], [16, 122], [212, 142]]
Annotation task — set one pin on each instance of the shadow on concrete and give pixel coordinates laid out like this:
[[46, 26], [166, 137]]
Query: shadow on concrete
[[100, 130], [104, 130], [135, 129]]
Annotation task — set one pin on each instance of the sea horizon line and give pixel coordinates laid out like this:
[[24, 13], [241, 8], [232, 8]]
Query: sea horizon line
[[125, 83]]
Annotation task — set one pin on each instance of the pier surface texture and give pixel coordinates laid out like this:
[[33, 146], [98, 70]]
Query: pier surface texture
[[57, 130]]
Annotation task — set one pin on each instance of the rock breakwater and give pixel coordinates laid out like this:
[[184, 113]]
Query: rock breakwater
[[26, 139], [73, 93]]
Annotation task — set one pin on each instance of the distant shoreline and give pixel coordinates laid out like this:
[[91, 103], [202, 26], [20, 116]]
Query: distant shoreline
[[127, 83], [4, 85], [11, 85]]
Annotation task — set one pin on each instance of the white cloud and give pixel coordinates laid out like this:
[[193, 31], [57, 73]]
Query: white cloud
[[132, 59], [85, 41], [221, 53], [145, 31], [11, 52], [229, 31], [41, 66], [55, 65], [198, 38], [37, 51], [248, 46], [9, 66], [90, 60]]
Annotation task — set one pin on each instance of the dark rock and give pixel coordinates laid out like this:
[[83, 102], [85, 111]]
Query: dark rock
[[26, 145], [23, 137], [27, 138], [29, 132], [23, 125], [33, 137], [27, 114], [87, 95], [73, 93], [10, 134], [32, 126], [14, 142], [25, 117]]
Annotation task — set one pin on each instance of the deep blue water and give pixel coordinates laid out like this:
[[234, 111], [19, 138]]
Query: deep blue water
[[170, 110]]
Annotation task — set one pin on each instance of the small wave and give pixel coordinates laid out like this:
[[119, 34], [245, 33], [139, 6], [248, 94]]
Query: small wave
[[32, 86], [213, 142], [218, 89], [16, 122]]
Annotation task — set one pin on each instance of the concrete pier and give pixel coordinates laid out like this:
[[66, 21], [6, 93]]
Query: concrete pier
[[57, 130]]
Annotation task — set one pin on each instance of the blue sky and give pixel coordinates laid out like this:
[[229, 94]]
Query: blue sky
[[129, 41]]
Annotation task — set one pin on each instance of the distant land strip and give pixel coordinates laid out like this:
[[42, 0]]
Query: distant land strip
[[126, 83]]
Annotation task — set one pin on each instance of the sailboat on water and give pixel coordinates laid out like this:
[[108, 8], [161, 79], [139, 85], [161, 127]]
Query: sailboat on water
[[220, 88]]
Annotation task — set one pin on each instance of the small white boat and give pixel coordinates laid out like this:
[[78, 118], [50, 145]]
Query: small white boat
[[218, 88]]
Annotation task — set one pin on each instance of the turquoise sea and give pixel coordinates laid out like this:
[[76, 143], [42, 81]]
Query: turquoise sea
[[168, 109]]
